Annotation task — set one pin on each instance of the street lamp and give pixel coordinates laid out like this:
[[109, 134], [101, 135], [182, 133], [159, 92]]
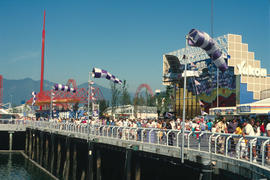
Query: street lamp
[[184, 103]]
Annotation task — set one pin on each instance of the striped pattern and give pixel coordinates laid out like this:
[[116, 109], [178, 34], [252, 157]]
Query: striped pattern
[[34, 98], [100, 73], [61, 87], [200, 39]]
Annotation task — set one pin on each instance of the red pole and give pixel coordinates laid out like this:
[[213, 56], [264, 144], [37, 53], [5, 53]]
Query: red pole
[[42, 59]]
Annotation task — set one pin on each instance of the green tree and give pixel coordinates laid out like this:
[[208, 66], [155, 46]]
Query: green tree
[[102, 106], [125, 100], [115, 96]]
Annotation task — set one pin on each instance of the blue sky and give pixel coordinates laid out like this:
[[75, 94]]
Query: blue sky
[[127, 38]]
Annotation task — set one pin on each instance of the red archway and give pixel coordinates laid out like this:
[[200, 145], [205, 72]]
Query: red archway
[[144, 86]]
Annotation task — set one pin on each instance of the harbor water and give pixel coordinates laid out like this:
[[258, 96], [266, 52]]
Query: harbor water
[[14, 166]]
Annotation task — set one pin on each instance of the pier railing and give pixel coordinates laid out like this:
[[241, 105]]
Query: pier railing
[[252, 149]]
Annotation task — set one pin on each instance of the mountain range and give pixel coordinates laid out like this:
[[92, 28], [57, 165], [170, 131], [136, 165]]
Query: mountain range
[[19, 91]]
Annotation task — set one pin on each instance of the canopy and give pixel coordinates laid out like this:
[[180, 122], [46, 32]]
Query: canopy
[[258, 107], [223, 111]]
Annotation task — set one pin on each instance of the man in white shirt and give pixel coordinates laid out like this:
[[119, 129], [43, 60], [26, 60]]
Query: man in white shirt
[[249, 131]]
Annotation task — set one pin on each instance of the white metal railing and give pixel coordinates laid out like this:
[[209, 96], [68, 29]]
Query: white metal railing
[[252, 149]]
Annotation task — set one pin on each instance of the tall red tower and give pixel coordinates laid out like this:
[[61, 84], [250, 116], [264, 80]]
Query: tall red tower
[[1, 89], [42, 60], [42, 56]]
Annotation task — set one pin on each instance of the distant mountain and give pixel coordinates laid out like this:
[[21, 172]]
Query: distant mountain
[[18, 91]]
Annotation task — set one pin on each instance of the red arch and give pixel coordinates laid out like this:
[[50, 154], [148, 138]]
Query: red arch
[[144, 86], [73, 82]]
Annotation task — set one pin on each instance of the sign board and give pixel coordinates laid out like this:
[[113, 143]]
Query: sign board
[[242, 109]]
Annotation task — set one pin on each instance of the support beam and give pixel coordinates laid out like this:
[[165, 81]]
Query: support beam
[[30, 143], [58, 157], [138, 170], [67, 161], [37, 138], [34, 146], [10, 140], [98, 161], [91, 153], [26, 142], [127, 171], [52, 154], [41, 148], [74, 170]]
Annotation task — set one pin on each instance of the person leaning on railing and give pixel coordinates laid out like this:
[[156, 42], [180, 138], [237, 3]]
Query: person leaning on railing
[[221, 127], [249, 131]]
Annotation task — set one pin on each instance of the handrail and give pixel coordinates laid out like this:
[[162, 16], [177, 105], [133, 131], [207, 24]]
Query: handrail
[[138, 135]]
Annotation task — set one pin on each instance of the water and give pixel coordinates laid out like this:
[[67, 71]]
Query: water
[[14, 166]]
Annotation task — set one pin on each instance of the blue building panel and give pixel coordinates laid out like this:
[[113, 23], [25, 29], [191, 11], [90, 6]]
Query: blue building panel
[[245, 95]]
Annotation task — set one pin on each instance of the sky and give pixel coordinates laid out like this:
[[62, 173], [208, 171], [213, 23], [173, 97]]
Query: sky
[[127, 38]]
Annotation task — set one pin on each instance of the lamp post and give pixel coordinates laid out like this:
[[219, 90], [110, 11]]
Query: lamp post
[[51, 104], [184, 105]]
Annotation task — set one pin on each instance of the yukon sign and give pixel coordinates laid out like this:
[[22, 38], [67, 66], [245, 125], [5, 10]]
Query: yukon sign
[[251, 71]]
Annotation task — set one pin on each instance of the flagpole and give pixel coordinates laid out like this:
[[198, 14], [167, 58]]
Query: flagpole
[[51, 105], [89, 87]]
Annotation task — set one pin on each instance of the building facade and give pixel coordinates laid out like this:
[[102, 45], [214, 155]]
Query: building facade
[[131, 112], [244, 82]]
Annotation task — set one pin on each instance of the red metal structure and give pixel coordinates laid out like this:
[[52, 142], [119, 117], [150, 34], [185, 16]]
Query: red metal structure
[[1, 89], [144, 86], [61, 98], [42, 56]]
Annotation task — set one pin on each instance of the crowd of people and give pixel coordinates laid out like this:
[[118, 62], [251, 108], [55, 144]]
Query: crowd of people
[[250, 127]]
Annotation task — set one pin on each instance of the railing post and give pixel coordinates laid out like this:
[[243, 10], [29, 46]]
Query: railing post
[[177, 139], [216, 138], [142, 134], [210, 142], [199, 144], [227, 144], [239, 147], [188, 139], [251, 148], [263, 149], [168, 137], [149, 137]]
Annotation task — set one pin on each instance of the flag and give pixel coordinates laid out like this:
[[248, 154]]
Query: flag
[[197, 83], [201, 103]]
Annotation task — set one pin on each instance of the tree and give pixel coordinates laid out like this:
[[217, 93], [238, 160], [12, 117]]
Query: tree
[[115, 96], [102, 106], [125, 100]]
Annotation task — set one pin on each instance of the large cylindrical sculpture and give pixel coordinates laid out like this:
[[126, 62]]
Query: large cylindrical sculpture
[[200, 39]]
